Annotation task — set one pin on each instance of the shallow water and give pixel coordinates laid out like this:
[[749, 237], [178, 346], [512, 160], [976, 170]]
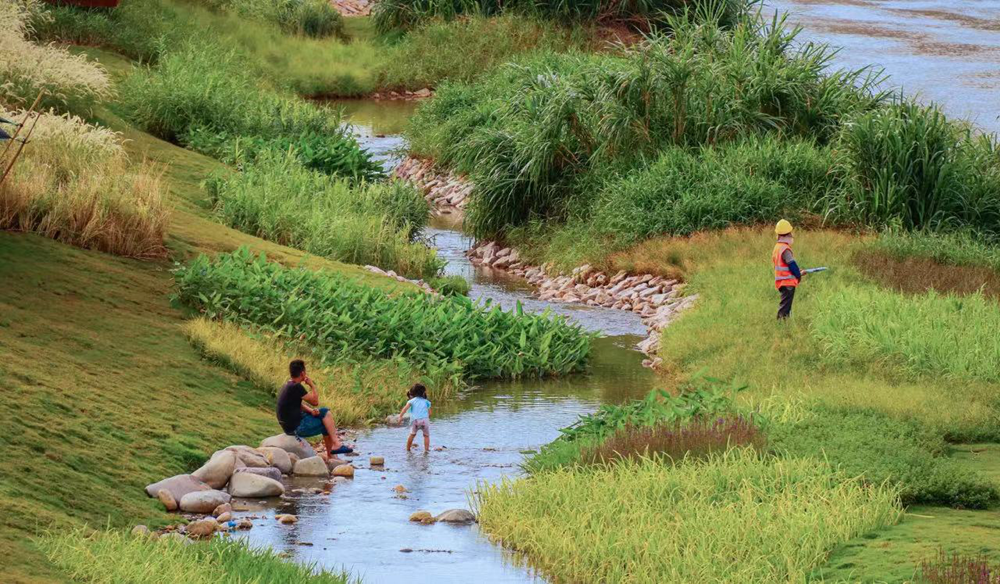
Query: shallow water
[[362, 526], [945, 51]]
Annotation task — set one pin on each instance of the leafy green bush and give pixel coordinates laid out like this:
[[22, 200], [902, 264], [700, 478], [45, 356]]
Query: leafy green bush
[[928, 335], [880, 448], [914, 168], [531, 133], [450, 285], [277, 199], [315, 18], [341, 317]]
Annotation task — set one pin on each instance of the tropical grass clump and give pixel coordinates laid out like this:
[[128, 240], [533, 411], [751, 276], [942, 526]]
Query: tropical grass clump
[[929, 335], [392, 15], [201, 88], [277, 199], [695, 439], [315, 18], [27, 68], [345, 319], [772, 519], [961, 248], [356, 392], [464, 49], [74, 183], [115, 557], [538, 136], [956, 568]]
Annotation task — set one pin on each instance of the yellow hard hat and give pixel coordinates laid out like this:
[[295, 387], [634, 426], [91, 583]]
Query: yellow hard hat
[[783, 227]]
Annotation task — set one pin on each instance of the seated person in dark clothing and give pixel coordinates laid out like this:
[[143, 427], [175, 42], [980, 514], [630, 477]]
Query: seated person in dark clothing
[[298, 419]]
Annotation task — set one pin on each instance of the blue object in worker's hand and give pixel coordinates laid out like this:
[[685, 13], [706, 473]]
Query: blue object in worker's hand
[[814, 270]]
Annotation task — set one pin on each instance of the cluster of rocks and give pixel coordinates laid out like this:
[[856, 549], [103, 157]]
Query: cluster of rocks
[[353, 7], [241, 472], [444, 190], [403, 95], [657, 300], [391, 274]]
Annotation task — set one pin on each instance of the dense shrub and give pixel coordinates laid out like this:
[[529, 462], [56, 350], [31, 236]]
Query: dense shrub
[[27, 68], [531, 132], [880, 448], [74, 183], [341, 317], [277, 199], [914, 168]]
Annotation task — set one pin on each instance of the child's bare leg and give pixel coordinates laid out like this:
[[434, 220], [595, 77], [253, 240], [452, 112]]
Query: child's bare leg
[[409, 442], [427, 442]]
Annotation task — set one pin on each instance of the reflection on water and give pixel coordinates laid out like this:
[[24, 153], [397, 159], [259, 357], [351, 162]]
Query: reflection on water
[[946, 51]]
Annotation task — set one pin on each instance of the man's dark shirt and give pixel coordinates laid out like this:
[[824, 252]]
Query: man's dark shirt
[[290, 406]]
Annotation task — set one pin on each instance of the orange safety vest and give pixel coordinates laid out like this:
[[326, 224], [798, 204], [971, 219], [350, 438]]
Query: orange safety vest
[[782, 275]]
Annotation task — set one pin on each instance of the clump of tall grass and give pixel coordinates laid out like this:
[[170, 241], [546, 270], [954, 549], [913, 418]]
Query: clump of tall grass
[[356, 392], [343, 318], [770, 519], [960, 248], [277, 199], [201, 88], [531, 134], [113, 557], [929, 335], [914, 168], [698, 438], [315, 18], [956, 568], [74, 183], [392, 15], [27, 68]]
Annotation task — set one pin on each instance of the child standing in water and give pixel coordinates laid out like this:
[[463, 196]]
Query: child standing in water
[[420, 415]]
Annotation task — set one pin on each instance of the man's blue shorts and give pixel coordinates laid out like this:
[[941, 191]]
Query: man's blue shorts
[[312, 425]]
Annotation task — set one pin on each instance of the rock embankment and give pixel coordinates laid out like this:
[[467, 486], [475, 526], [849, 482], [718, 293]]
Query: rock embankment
[[353, 7], [391, 274], [657, 300], [445, 191]]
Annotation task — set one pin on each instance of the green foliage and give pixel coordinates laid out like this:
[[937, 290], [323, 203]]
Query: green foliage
[[205, 97], [450, 285], [315, 18], [109, 557], [916, 169], [464, 49], [961, 248], [735, 517], [531, 133], [928, 335], [341, 317], [879, 449], [390, 15], [277, 199]]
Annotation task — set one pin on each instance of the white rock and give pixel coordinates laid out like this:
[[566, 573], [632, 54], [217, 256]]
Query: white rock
[[290, 444], [313, 466], [278, 458], [249, 486], [217, 470], [177, 486], [203, 501]]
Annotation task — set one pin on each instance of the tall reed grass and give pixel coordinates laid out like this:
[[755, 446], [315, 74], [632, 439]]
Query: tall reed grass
[[74, 183], [277, 199], [27, 68], [115, 557], [343, 318], [736, 517], [356, 392], [315, 18]]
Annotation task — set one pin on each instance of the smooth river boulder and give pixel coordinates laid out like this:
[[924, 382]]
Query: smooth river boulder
[[278, 458], [344, 470], [203, 501], [251, 486], [456, 516], [269, 472], [217, 470], [313, 466], [291, 445], [177, 486], [250, 457]]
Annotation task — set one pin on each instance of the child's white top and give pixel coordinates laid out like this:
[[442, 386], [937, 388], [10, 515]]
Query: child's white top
[[420, 408]]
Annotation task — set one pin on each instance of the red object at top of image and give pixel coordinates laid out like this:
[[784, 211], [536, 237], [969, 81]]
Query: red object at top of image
[[87, 3]]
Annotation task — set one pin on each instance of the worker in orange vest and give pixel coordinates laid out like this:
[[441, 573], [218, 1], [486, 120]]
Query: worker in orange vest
[[787, 274]]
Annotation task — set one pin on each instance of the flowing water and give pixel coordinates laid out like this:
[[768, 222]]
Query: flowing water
[[362, 525]]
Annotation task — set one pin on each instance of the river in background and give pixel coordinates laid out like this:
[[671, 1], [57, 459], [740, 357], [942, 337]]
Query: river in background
[[942, 51]]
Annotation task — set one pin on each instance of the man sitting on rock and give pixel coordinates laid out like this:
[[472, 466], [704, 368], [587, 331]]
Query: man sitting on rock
[[298, 419]]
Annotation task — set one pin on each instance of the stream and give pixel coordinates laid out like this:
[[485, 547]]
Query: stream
[[362, 525]]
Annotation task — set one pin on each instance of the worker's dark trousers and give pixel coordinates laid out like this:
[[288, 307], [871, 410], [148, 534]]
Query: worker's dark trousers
[[785, 306]]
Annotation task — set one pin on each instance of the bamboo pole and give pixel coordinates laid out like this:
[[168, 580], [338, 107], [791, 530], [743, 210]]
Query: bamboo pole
[[18, 130], [21, 148]]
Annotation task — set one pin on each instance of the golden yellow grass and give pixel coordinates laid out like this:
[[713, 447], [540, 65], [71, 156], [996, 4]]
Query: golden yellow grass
[[356, 393], [74, 183], [737, 517]]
